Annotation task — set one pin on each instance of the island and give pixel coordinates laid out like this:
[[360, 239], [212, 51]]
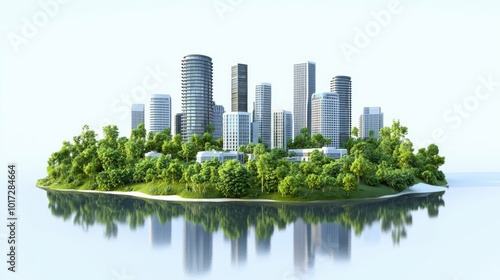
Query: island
[[372, 167]]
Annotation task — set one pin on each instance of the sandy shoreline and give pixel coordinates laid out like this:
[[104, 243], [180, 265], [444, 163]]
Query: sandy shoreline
[[420, 188]]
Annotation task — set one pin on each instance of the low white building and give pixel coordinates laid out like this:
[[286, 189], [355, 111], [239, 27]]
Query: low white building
[[219, 155], [304, 154]]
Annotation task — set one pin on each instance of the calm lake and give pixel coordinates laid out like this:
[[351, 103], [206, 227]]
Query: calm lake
[[451, 235]]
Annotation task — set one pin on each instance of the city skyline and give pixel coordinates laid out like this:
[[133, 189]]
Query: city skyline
[[143, 58]]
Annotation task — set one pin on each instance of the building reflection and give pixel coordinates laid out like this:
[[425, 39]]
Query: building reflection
[[330, 239], [197, 249], [303, 253], [239, 249], [262, 246], [333, 240], [160, 234]]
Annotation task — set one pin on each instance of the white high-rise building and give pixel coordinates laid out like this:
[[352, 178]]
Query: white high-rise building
[[304, 85], [372, 119], [137, 115], [160, 108], [263, 111], [235, 130], [282, 128], [325, 117], [217, 112]]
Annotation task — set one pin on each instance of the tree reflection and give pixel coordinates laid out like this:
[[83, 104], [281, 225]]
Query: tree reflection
[[235, 219]]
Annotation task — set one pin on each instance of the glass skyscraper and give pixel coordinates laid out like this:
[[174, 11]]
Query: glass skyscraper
[[160, 107], [342, 86], [239, 88], [263, 111], [137, 115], [197, 99], [304, 85]]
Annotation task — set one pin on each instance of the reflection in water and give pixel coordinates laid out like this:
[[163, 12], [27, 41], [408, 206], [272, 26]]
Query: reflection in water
[[161, 234], [318, 228], [239, 249], [197, 249]]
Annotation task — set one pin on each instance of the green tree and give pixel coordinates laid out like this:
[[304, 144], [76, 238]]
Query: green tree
[[188, 151], [360, 166], [288, 186], [233, 179], [355, 132], [349, 183]]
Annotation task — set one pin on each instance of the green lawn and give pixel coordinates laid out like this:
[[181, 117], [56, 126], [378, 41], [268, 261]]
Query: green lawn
[[304, 194]]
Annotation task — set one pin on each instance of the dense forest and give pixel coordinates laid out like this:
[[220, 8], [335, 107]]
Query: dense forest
[[119, 163]]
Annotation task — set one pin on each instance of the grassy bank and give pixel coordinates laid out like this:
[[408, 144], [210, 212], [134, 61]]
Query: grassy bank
[[162, 188]]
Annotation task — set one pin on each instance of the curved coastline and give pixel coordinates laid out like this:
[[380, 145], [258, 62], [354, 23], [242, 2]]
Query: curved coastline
[[417, 189]]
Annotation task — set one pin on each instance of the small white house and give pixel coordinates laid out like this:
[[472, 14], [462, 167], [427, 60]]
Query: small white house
[[220, 156], [304, 154]]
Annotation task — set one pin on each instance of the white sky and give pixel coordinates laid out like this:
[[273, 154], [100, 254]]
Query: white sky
[[82, 65]]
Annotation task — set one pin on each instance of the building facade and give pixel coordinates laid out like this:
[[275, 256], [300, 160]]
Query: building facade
[[372, 119], [239, 88], [263, 111], [137, 115], [178, 123], [221, 156], [282, 128], [218, 111], [197, 98], [235, 130], [325, 116], [304, 85], [160, 107], [342, 86]]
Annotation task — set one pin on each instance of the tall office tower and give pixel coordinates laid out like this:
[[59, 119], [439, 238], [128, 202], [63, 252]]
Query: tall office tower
[[235, 130], [160, 107], [282, 128], [137, 115], [304, 85], [325, 116], [198, 247], [263, 111], [178, 123], [239, 88], [218, 111], [342, 86], [371, 119], [196, 94]]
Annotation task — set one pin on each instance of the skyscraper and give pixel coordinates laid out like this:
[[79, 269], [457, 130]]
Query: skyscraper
[[137, 115], [263, 111], [342, 86], [239, 88], [304, 85], [236, 130], [196, 94], [218, 111], [160, 107], [282, 128], [325, 116], [372, 119]]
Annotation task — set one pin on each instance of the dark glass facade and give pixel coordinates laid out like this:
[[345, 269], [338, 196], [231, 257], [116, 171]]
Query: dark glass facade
[[239, 88], [342, 86]]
